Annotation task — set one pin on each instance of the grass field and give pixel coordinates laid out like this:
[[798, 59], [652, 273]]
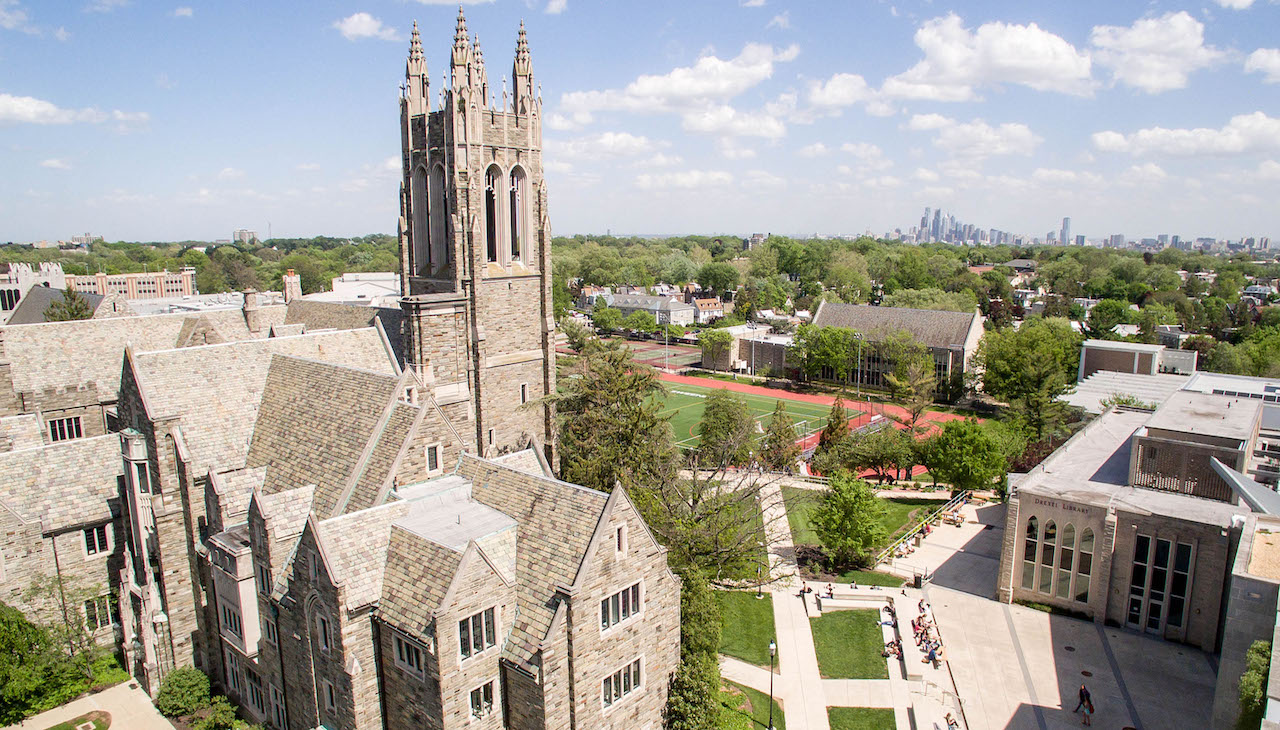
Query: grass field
[[859, 718], [746, 626], [899, 514], [743, 708], [849, 645], [683, 404]]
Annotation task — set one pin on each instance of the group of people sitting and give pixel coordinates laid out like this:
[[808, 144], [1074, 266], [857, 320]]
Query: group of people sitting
[[953, 518], [926, 635]]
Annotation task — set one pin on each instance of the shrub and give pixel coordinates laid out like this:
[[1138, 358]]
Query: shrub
[[185, 691], [1253, 685]]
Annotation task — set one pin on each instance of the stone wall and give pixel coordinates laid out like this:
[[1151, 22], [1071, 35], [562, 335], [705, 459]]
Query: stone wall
[[1250, 616]]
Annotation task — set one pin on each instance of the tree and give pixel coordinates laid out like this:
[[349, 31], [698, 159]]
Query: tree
[[885, 451], [609, 424], [1030, 367], [575, 334], [33, 672], [726, 431], [640, 321], [692, 702], [1107, 314], [965, 455], [606, 318], [1253, 685], [779, 450], [915, 390], [715, 346], [58, 602], [849, 519], [718, 276], [837, 428], [184, 691], [815, 348], [71, 306], [931, 299]]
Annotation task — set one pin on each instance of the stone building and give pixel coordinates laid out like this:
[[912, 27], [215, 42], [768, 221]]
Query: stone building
[[665, 310], [475, 242], [1132, 522]]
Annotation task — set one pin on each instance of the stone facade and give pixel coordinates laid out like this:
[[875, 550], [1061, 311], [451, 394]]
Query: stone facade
[[475, 244]]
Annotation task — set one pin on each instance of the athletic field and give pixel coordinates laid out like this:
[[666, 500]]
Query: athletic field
[[683, 404]]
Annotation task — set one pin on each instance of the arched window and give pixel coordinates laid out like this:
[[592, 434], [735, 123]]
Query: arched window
[[1029, 554], [519, 209], [492, 212], [420, 223], [1084, 565], [1047, 544], [1065, 553], [441, 246]]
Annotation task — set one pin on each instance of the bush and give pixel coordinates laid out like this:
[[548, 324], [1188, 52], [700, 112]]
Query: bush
[[1253, 685], [184, 692], [692, 703], [222, 716]]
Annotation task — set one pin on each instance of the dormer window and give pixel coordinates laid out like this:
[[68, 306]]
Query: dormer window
[[477, 633]]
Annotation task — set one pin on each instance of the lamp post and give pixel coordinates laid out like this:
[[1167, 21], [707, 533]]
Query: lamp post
[[858, 336], [773, 651]]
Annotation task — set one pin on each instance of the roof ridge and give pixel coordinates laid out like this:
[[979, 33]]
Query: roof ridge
[[543, 477]]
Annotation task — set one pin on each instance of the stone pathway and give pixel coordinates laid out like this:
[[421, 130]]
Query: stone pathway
[[130, 709]]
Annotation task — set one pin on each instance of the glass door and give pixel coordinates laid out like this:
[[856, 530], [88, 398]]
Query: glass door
[[1149, 585]]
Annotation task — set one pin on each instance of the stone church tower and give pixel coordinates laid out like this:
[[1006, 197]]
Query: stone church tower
[[475, 244]]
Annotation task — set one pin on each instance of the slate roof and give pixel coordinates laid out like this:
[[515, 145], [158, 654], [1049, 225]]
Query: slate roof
[[30, 309], [556, 521], [235, 488], [63, 485], [335, 315], [285, 513], [324, 424], [931, 328], [216, 390], [526, 460], [355, 546], [417, 577], [20, 432], [647, 302]]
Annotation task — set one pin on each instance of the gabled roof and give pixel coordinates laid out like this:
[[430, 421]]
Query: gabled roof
[[30, 309], [334, 315], [320, 424], [215, 390], [929, 327], [63, 485], [355, 548], [285, 514], [418, 575], [20, 432], [646, 301], [235, 488], [556, 521]]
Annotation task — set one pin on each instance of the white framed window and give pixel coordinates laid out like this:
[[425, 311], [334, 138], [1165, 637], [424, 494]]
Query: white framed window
[[433, 458], [98, 613], [620, 607], [482, 700], [270, 632], [65, 429], [278, 717], [330, 698], [524, 393], [231, 620], [408, 654], [477, 633], [97, 540], [322, 631], [622, 683], [142, 477]]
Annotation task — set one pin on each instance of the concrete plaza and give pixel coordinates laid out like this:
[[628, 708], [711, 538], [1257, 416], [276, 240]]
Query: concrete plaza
[[130, 709]]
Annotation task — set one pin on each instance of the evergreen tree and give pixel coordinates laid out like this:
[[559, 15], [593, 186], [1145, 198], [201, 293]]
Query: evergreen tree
[[726, 431], [692, 702], [72, 306], [779, 450], [837, 428]]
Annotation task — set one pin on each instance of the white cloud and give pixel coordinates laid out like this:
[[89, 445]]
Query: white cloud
[[841, 90], [862, 150], [454, 2], [957, 61], [363, 25], [1054, 176], [684, 180], [230, 173], [1244, 134], [753, 3], [1154, 54], [1149, 172], [725, 120], [1265, 61], [30, 110], [56, 164], [164, 82], [604, 146], [555, 7], [183, 12], [886, 181], [763, 178], [308, 166], [732, 149], [105, 6], [14, 17], [817, 149], [781, 20], [1269, 170], [976, 140], [659, 160], [62, 34], [1234, 4], [924, 175]]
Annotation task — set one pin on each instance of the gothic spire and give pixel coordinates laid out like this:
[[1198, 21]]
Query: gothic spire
[[462, 52], [415, 43], [523, 64]]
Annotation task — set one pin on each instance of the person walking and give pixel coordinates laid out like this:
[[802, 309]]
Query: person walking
[[1088, 713], [1085, 698]]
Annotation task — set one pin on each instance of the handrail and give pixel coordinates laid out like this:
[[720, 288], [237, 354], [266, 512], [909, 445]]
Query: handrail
[[960, 498]]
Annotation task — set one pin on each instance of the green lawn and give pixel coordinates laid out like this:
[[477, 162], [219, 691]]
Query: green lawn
[[99, 719], [748, 710], [757, 565], [849, 645], [870, 578], [746, 626], [898, 514], [683, 404], [860, 718]]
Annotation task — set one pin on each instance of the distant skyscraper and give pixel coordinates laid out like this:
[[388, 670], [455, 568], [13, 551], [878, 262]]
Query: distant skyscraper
[[1117, 240], [1080, 240], [1065, 235], [936, 231], [924, 223]]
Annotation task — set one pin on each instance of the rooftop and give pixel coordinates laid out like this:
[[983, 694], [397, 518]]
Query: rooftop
[[1122, 346], [443, 512], [929, 327], [1156, 389], [1207, 415]]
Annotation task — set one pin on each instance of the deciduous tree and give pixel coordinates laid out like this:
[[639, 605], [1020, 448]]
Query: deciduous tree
[[849, 519], [779, 450], [726, 432]]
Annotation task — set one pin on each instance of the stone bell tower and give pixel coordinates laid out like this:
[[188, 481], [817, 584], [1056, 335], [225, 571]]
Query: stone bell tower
[[475, 243]]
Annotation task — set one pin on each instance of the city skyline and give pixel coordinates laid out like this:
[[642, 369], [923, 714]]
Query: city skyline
[[745, 116]]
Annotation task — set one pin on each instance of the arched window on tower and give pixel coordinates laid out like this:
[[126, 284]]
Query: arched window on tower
[[441, 242], [420, 223], [519, 208], [492, 214]]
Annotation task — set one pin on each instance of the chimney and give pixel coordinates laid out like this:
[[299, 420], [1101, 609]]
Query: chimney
[[292, 286], [252, 313]]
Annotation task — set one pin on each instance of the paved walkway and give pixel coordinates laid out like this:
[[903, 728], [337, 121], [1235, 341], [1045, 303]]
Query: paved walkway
[[130, 709]]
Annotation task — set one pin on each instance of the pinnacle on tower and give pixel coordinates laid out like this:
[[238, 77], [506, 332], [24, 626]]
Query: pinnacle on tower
[[523, 64], [462, 52], [460, 33], [415, 43]]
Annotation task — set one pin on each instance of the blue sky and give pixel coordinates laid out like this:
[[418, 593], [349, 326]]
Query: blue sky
[[166, 121]]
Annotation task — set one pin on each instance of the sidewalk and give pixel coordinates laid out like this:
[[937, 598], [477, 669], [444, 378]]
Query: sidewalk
[[130, 709]]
